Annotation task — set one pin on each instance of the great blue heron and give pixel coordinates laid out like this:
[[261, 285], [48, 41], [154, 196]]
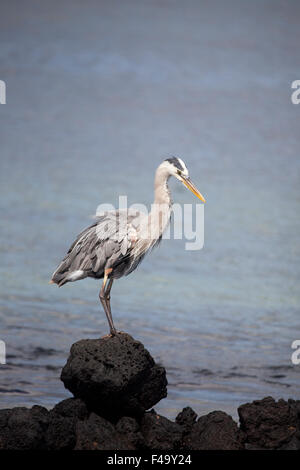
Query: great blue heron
[[117, 242]]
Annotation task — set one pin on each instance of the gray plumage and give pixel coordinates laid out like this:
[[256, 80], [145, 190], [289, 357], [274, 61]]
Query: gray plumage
[[114, 245], [107, 243]]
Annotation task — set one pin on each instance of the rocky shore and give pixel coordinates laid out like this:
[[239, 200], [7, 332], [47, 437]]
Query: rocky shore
[[114, 382]]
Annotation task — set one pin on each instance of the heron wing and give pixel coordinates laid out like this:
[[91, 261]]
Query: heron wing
[[99, 246], [117, 231]]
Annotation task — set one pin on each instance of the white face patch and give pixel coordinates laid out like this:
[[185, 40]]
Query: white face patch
[[185, 170], [173, 165]]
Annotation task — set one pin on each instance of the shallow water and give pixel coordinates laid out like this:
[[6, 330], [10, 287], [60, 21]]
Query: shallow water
[[97, 95]]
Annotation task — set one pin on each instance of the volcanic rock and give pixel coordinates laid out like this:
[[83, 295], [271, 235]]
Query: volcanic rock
[[115, 376]]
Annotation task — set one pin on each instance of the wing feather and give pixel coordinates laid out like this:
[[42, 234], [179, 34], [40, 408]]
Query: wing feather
[[103, 244]]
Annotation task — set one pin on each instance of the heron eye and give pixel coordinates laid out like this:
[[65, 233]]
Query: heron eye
[[179, 172]]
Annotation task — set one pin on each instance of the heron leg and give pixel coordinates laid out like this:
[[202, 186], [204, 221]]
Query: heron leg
[[107, 294], [106, 302]]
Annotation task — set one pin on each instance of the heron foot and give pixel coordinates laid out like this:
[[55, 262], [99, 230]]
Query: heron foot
[[111, 334]]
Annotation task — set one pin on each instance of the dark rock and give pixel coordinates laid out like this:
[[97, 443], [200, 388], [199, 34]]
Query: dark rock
[[129, 429], [269, 424], [186, 418], [4, 416], [160, 433], [71, 408], [154, 388], [215, 431], [114, 381], [114, 376], [96, 433], [23, 428], [61, 432]]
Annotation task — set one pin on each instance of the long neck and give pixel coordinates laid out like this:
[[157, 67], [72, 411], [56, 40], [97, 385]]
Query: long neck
[[161, 189], [160, 214], [153, 226]]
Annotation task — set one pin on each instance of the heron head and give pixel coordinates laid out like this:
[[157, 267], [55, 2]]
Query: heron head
[[178, 169]]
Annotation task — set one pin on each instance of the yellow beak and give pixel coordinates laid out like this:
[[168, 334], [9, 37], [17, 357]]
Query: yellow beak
[[187, 182]]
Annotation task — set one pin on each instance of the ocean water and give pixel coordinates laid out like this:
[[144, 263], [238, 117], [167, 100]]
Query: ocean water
[[98, 93]]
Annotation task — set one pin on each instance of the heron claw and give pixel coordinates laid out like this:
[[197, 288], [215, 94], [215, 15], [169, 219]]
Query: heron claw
[[111, 334]]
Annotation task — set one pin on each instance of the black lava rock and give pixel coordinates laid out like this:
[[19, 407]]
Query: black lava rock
[[63, 418], [96, 433], [268, 424], [23, 428], [214, 431], [115, 376], [186, 418], [71, 408], [160, 433], [131, 434], [114, 381]]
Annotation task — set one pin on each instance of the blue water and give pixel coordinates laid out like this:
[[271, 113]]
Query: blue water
[[97, 94]]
